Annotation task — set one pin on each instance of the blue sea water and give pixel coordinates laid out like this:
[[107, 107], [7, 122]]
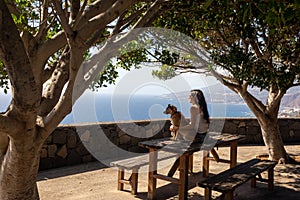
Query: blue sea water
[[107, 108]]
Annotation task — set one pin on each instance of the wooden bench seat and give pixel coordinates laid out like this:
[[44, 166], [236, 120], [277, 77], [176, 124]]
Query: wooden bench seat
[[134, 164], [230, 179]]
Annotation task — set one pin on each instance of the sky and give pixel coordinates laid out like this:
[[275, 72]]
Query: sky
[[141, 82]]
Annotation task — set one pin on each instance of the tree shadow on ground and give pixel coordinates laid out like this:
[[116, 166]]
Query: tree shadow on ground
[[170, 190], [294, 159], [288, 175], [287, 186], [69, 170]]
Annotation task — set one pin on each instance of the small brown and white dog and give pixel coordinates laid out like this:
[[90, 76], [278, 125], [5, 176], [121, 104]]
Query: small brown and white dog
[[177, 118]]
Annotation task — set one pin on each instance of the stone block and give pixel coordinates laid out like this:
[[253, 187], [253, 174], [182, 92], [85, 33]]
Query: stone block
[[121, 133], [242, 124], [125, 139], [49, 139], [285, 133], [253, 123], [253, 130], [283, 122], [241, 130], [59, 137], [229, 127], [44, 153], [73, 158], [87, 158], [149, 133], [106, 131], [59, 162], [81, 150], [85, 137], [256, 139], [45, 163], [62, 152], [135, 141], [296, 135], [295, 126], [166, 134], [136, 149], [291, 133], [52, 150], [138, 134], [156, 128], [71, 140]]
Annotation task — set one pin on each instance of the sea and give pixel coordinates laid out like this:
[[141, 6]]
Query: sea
[[115, 108]]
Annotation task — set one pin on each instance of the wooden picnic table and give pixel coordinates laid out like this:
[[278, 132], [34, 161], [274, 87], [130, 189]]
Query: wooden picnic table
[[185, 151]]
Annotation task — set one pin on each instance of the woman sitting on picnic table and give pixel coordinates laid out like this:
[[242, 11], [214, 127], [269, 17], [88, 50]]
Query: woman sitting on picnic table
[[196, 130]]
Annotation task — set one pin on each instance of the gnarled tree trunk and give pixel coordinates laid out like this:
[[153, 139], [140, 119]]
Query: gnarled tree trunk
[[20, 167], [267, 116], [272, 139]]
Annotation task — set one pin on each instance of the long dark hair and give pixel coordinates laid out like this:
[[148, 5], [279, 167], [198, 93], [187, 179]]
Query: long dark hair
[[200, 100]]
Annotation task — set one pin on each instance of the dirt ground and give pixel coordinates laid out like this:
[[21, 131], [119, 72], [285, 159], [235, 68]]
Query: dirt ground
[[93, 181]]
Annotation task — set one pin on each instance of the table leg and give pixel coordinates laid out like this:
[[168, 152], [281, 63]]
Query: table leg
[[174, 168], [271, 178], [233, 154], [183, 177], [205, 165], [134, 181], [152, 171], [120, 179], [191, 163]]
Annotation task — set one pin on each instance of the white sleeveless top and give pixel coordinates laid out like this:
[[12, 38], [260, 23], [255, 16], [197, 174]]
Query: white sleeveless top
[[202, 124]]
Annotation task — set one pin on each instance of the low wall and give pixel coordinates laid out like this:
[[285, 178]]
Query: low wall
[[70, 144]]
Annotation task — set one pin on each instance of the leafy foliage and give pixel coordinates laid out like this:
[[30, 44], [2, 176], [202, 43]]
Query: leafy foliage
[[4, 83], [135, 54], [166, 72], [28, 15], [257, 42]]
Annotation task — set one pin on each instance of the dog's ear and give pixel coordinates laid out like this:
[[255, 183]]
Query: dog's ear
[[174, 108]]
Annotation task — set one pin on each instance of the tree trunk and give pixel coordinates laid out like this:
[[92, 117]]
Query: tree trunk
[[272, 139], [267, 116], [19, 169]]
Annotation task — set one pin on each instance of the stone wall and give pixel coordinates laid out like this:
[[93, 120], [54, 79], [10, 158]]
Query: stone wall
[[70, 145]]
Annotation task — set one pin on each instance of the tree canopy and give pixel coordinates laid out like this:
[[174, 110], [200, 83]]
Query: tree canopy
[[255, 42]]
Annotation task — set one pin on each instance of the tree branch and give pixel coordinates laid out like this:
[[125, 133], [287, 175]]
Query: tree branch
[[92, 11], [25, 91], [43, 21], [59, 111], [274, 99], [49, 47], [55, 84], [64, 21], [75, 9], [256, 106], [127, 21], [256, 49], [149, 14], [79, 15], [88, 27]]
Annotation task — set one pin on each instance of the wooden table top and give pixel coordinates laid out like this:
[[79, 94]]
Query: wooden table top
[[183, 146]]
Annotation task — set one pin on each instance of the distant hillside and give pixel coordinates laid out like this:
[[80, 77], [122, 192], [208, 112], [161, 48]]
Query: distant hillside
[[221, 94], [292, 98]]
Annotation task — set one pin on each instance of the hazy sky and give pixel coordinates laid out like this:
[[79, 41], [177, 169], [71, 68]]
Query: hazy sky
[[141, 81]]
